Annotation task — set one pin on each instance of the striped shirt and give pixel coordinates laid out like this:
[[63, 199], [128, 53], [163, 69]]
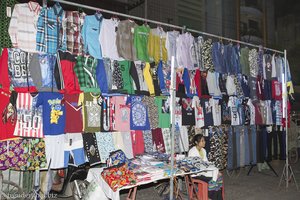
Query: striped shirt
[[49, 26], [29, 117], [22, 27]]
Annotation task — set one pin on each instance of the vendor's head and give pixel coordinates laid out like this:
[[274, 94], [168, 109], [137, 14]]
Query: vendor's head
[[199, 141]]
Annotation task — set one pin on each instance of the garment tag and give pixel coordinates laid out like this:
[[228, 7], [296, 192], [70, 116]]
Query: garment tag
[[8, 11]]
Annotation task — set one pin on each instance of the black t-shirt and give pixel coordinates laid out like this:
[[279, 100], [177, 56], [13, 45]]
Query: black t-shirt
[[226, 113], [188, 112], [207, 111], [153, 71]]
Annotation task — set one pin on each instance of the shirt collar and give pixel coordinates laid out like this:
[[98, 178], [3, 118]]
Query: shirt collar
[[34, 7], [58, 10], [98, 16]]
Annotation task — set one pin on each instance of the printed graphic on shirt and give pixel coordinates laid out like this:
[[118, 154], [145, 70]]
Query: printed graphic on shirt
[[47, 63], [29, 117], [18, 68], [93, 113], [165, 106], [56, 110]]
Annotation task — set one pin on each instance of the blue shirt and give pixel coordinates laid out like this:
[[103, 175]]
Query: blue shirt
[[48, 37], [90, 35], [54, 113]]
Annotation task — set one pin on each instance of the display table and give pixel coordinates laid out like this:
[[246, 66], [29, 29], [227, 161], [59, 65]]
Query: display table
[[94, 174]]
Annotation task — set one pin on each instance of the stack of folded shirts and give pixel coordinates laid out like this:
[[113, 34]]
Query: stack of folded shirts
[[142, 176]]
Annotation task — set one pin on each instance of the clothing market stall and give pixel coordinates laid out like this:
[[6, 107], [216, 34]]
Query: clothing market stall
[[199, 69]]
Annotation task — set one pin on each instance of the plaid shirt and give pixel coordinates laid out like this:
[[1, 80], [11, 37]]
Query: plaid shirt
[[48, 36], [85, 70], [72, 25]]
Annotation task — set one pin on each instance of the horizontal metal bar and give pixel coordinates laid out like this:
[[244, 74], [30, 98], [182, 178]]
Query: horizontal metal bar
[[163, 24]]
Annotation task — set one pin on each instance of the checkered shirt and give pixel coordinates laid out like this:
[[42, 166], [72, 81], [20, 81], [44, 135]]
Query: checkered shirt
[[72, 25], [85, 69], [48, 36]]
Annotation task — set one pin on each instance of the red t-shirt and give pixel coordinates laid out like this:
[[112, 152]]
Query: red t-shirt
[[7, 127], [73, 113]]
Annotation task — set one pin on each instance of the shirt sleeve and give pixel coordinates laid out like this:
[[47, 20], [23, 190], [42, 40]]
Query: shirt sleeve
[[83, 35], [13, 27]]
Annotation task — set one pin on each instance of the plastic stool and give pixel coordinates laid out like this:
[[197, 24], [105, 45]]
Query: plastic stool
[[202, 192]]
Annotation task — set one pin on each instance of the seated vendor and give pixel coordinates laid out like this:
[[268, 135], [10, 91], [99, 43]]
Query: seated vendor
[[213, 178]]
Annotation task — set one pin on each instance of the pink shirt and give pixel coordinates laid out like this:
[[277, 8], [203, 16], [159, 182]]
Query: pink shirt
[[122, 113]]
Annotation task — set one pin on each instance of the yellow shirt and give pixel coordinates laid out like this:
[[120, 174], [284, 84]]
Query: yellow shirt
[[157, 45]]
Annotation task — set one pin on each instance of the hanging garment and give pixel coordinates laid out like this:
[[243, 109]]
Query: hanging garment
[[105, 144], [141, 35], [167, 139], [4, 74], [65, 67], [184, 43], [216, 111], [12, 154], [54, 113], [74, 117], [158, 140], [125, 68], [188, 112], [139, 119], [233, 103], [149, 79], [226, 113], [253, 64], [22, 28], [171, 46], [18, 70], [72, 25], [157, 45], [105, 114], [41, 68], [91, 148], [244, 60], [164, 77], [140, 87], [91, 107], [90, 35], [163, 105], [29, 116], [125, 39], [85, 70], [196, 53], [73, 150], [122, 113], [207, 108], [137, 140], [148, 141], [218, 57], [155, 78], [49, 25], [153, 110], [107, 38], [206, 55], [199, 114], [6, 8], [8, 113]]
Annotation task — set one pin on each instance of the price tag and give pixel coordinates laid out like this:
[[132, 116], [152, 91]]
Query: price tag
[[8, 11]]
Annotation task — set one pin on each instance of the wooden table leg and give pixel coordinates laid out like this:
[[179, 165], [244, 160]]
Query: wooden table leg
[[132, 193]]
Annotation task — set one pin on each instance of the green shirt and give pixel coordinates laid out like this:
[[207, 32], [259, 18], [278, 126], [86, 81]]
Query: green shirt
[[127, 81], [141, 35], [4, 22], [163, 105], [85, 69]]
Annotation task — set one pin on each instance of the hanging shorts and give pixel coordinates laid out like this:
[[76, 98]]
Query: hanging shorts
[[91, 148], [74, 151], [55, 151]]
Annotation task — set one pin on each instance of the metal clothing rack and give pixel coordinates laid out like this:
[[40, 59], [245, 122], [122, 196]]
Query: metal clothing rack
[[284, 92]]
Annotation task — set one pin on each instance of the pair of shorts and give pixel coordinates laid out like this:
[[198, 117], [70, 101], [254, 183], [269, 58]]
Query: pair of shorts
[[74, 151], [55, 148]]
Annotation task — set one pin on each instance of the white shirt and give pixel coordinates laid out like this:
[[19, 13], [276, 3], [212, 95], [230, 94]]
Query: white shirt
[[230, 86], [171, 46], [184, 44], [199, 115], [252, 112], [23, 26], [233, 104], [216, 111], [107, 39], [213, 84]]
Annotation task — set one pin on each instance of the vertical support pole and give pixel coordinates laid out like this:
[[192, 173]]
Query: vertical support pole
[[286, 120], [173, 101]]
